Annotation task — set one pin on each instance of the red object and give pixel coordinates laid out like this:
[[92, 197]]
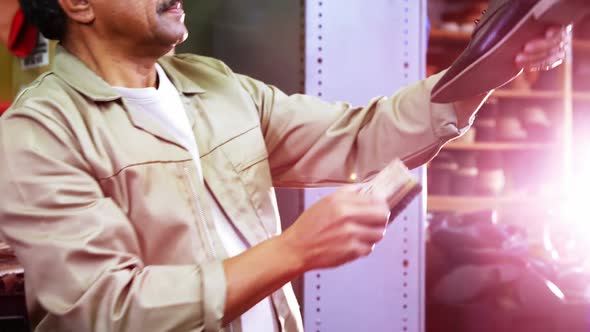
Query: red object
[[23, 36], [3, 107]]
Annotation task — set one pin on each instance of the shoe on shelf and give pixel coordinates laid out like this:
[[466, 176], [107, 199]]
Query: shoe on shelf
[[486, 121], [440, 174], [509, 129], [506, 26], [465, 177], [537, 124], [491, 179]]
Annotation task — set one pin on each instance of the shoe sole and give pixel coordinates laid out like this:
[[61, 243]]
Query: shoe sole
[[403, 198], [396, 184], [558, 12]]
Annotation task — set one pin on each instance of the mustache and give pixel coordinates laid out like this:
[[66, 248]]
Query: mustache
[[167, 5]]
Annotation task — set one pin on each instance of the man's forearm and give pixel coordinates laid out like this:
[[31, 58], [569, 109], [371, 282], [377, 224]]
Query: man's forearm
[[257, 273]]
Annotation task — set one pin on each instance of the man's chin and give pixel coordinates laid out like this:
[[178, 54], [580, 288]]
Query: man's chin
[[174, 35], [183, 38]]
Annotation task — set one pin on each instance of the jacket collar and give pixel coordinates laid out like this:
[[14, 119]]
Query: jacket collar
[[76, 74]]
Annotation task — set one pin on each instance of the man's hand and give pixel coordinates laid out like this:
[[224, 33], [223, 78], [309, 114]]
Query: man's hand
[[545, 53], [538, 54], [340, 228]]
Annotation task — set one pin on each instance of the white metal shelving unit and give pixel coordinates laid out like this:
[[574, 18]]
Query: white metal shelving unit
[[356, 50]]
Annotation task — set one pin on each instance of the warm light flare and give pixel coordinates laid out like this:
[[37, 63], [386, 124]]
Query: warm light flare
[[574, 214]]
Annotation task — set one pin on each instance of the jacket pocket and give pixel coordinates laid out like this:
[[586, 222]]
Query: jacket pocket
[[248, 155], [246, 149], [159, 203]]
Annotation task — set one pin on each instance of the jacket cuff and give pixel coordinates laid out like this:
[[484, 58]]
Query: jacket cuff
[[443, 116], [214, 294]]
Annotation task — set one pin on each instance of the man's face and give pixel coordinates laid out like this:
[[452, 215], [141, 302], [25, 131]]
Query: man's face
[[149, 23]]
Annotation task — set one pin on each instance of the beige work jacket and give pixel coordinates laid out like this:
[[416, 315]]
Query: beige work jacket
[[105, 209]]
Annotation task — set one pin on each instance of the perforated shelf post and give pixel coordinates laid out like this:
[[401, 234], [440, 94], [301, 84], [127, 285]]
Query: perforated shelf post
[[356, 50]]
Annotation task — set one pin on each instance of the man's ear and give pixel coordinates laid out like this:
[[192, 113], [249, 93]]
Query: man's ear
[[80, 11]]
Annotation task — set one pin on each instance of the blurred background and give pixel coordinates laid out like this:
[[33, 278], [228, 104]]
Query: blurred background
[[508, 229]]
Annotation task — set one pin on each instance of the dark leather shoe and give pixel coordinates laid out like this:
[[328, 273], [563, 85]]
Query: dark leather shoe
[[507, 25]]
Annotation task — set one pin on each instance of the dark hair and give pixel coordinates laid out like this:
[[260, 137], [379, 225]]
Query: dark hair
[[47, 16]]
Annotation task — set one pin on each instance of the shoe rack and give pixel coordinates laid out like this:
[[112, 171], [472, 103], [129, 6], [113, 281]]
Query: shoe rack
[[581, 97], [520, 152]]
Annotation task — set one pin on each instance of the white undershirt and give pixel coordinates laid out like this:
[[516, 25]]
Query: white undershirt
[[165, 106]]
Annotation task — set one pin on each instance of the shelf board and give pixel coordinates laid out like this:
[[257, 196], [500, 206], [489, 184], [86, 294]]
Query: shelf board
[[581, 45], [438, 35], [533, 94], [458, 37], [466, 204], [536, 94], [497, 146], [582, 96]]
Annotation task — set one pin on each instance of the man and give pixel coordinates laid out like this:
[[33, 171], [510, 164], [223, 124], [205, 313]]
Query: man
[[137, 190]]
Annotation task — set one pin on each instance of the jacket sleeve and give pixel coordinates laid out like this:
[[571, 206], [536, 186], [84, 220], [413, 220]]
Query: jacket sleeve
[[315, 143], [80, 253]]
